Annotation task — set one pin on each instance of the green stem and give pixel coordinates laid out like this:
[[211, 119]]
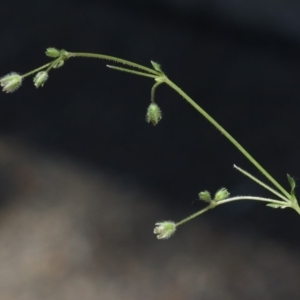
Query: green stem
[[153, 89], [112, 58], [160, 77], [37, 69], [214, 204], [263, 199], [198, 213], [131, 71], [227, 135], [261, 183]]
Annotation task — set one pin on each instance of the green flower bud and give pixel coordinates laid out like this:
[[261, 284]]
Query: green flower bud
[[64, 53], [52, 52], [40, 79], [11, 82], [165, 229], [221, 194], [205, 196], [154, 114], [58, 64]]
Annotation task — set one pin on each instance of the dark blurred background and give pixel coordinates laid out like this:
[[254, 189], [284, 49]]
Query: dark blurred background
[[238, 59]]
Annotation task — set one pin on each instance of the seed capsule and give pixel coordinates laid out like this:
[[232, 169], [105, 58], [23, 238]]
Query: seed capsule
[[154, 114]]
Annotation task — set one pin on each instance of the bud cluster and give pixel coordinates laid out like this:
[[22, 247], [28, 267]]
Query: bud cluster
[[12, 81], [221, 194]]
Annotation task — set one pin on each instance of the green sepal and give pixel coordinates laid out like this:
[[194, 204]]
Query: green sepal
[[156, 66]]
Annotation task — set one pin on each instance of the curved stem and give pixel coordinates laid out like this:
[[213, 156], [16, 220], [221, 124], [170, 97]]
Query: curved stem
[[162, 78], [153, 89], [115, 59], [213, 204], [131, 71], [227, 135], [263, 199]]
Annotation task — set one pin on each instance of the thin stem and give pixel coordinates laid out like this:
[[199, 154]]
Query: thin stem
[[163, 78], [198, 213], [37, 69], [227, 135], [131, 71], [214, 204], [115, 59], [153, 89], [261, 183], [263, 199]]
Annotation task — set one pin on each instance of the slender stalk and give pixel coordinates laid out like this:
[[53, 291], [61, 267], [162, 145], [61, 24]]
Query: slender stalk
[[198, 213], [131, 71], [153, 91], [214, 204], [263, 199], [115, 59], [37, 69], [161, 78], [261, 183], [227, 135]]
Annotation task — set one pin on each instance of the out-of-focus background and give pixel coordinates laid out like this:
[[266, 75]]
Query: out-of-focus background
[[83, 177]]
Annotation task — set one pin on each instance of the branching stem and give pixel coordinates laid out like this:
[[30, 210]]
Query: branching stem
[[213, 204], [288, 199]]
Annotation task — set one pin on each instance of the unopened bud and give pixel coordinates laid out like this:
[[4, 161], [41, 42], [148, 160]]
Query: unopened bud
[[221, 194], [40, 79], [52, 52], [165, 229], [58, 64], [11, 82], [205, 196], [154, 114]]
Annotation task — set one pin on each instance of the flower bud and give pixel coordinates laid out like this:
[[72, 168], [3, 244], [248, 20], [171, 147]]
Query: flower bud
[[205, 196], [64, 54], [40, 79], [165, 229], [221, 194], [58, 64], [154, 114], [11, 82], [52, 52]]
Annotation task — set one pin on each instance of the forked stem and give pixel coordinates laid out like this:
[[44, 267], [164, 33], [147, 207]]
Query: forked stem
[[213, 204], [113, 58], [160, 77], [227, 135]]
